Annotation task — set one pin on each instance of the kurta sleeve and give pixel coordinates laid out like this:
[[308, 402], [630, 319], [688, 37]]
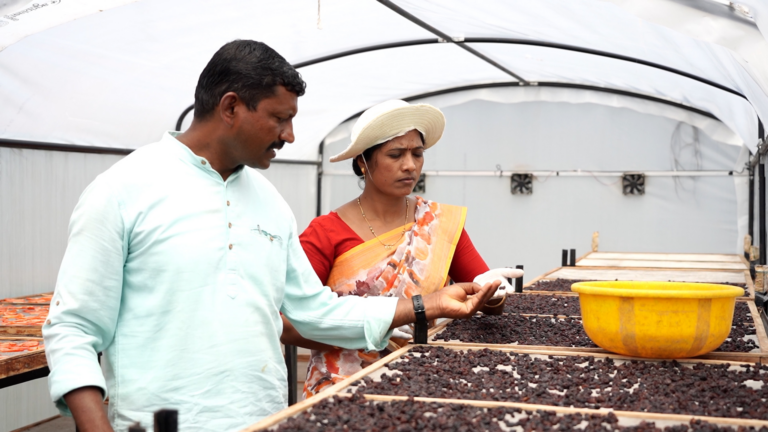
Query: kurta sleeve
[[318, 248], [467, 262], [85, 305], [318, 314]]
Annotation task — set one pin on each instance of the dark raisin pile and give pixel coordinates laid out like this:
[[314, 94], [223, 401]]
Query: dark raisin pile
[[509, 329], [565, 285], [736, 342], [569, 306], [357, 414], [579, 381], [553, 285], [556, 332], [542, 305]]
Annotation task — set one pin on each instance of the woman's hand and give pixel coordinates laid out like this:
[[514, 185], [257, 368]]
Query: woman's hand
[[501, 275], [460, 300]]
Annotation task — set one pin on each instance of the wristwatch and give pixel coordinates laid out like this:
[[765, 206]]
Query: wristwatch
[[420, 328]]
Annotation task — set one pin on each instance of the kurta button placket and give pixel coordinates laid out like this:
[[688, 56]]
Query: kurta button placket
[[229, 225], [230, 246], [203, 162], [227, 203]]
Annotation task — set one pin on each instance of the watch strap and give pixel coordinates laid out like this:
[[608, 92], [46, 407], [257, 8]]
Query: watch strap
[[421, 329]]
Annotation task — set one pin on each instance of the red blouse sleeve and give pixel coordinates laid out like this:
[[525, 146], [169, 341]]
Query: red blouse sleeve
[[467, 262], [319, 248]]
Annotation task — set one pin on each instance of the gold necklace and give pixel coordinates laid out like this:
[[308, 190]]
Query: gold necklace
[[386, 246]]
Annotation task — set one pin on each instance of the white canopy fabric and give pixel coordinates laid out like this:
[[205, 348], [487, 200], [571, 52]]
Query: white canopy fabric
[[735, 26], [120, 77]]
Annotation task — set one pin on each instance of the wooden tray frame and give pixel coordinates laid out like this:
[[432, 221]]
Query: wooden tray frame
[[23, 330], [546, 277], [675, 256], [34, 331], [337, 390], [23, 362]]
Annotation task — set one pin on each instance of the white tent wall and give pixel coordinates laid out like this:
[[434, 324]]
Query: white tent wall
[[676, 214], [38, 191], [119, 77], [25, 404]]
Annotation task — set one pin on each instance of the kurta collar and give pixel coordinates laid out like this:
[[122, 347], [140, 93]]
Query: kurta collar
[[199, 162]]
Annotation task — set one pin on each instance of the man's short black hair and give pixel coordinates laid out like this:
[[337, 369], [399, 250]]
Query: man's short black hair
[[251, 69]]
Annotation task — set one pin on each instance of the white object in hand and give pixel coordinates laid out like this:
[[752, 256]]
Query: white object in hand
[[403, 332], [499, 274]]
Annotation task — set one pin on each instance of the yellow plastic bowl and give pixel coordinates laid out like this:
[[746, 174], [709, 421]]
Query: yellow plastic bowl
[[657, 319]]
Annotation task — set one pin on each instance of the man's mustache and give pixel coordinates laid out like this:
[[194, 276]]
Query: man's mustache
[[277, 145]]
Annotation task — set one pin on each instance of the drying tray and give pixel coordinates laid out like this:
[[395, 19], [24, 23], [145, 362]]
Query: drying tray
[[661, 268], [664, 260], [35, 299], [346, 387], [14, 363]]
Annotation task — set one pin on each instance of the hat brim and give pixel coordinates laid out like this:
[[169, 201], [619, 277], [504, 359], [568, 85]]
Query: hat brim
[[427, 119]]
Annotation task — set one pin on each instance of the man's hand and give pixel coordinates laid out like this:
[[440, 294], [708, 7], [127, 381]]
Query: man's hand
[[460, 300], [453, 301], [88, 409]]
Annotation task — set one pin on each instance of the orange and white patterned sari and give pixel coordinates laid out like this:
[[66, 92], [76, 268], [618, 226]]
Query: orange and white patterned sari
[[418, 265]]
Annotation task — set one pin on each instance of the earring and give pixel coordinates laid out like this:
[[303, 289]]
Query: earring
[[363, 169]]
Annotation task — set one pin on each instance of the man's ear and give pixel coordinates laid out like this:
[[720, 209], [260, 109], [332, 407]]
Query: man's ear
[[227, 106]]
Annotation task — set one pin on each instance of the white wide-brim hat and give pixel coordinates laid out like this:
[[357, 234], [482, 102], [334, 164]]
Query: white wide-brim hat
[[391, 119]]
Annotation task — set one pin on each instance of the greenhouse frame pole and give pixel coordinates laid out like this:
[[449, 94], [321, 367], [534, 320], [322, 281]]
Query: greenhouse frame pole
[[761, 198], [761, 190], [751, 223], [446, 37]]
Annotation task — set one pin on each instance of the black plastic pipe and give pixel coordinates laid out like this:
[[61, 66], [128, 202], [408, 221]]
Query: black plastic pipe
[[572, 262], [564, 260], [519, 281], [166, 420]]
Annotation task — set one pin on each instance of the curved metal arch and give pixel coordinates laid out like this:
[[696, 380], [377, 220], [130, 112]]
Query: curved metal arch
[[510, 41], [515, 84]]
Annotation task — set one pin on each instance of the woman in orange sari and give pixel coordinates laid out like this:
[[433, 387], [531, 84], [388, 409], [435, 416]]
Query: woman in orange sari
[[386, 243]]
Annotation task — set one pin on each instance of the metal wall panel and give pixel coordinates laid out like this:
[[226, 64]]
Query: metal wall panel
[[39, 192], [692, 214]]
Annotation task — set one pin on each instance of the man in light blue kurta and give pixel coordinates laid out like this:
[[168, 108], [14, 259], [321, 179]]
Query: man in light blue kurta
[[181, 258], [185, 305]]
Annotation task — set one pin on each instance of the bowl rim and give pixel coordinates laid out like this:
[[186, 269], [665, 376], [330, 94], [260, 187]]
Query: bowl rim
[[599, 288]]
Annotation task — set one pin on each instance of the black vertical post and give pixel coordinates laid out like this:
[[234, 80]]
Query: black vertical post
[[565, 258], [166, 420], [573, 258], [761, 191], [519, 281], [319, 192], [751, 228], [290, 364]]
